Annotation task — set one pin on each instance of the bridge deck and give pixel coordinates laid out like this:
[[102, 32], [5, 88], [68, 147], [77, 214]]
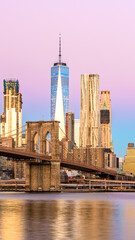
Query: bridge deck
[[34, 157], [19, 154], [85, 167]]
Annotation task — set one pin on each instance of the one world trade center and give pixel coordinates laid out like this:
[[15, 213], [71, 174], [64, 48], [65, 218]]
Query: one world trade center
[[60, 92]]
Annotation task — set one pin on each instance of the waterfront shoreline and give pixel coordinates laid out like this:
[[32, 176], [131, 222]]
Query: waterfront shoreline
[[73, 191]]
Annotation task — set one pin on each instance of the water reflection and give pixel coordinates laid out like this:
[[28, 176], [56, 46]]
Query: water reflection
[[11, 221], [66, 219], [129, 221]]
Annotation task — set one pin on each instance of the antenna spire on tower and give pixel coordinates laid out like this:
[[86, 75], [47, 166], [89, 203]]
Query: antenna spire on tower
[[60, 48]]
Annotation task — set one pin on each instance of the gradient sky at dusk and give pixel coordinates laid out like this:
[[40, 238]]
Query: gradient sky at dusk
[[98, 36]]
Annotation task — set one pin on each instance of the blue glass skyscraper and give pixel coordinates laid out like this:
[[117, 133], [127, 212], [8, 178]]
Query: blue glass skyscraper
[[59, 90]]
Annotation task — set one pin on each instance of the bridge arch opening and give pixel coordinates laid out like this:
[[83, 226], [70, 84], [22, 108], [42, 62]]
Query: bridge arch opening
[[48, 144], [36, 142]]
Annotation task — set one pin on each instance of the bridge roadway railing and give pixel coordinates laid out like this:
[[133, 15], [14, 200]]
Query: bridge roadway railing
[[12, 185], [95, 184], [85, 185]]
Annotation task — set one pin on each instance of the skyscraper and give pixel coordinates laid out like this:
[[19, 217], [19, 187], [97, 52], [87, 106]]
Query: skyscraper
[[59, 92], [11, 119], [90, 111], [105, 119]]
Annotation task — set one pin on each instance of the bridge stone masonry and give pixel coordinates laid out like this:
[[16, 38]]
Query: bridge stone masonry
[[43, 175]]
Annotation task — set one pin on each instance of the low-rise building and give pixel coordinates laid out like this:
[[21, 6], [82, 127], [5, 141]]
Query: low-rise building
[[129, 164], [110, 159]]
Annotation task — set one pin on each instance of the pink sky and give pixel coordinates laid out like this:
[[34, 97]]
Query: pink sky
[[97, 37]]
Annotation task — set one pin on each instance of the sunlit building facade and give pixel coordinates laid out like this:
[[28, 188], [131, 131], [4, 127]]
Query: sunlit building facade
[[90, 133], [105, 120], [11, 119], [129, 164]]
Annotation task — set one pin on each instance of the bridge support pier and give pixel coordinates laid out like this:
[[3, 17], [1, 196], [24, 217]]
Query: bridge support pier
[[43, 177]]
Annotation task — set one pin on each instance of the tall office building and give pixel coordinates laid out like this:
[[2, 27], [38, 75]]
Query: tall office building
[[90, 111], [70, 126], [11, 119], [59, 92], [105, 120]]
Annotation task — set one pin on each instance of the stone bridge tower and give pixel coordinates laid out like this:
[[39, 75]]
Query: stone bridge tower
[[43, 175]]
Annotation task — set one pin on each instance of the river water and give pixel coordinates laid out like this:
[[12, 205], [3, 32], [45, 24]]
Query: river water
[[66, 216]]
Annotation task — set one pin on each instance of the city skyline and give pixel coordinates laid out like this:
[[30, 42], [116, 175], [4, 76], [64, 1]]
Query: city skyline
[[102, 43]]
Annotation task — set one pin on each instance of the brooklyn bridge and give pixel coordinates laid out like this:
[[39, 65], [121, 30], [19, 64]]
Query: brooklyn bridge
[[43, 161]]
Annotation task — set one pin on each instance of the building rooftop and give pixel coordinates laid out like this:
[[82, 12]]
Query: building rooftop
[[60, 64]]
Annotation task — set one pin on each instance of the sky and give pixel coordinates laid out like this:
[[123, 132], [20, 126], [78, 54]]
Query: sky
[[98, 37]]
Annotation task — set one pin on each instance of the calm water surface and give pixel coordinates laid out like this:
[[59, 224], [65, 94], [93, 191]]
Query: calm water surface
[[65, 216]]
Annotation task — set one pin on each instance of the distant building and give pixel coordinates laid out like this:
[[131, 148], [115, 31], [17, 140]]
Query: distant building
[[121, 162], [24, 140], [70, 126], [89, 155], [60, 92], [110, 159], [129, 164], [90, 111], [19, 169], [105, 120], [8, 167], [6, 164], [67, 147], [11, 119], [76, 131]]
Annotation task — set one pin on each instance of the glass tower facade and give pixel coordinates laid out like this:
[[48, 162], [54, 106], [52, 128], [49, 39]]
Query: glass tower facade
[[62, 70]]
